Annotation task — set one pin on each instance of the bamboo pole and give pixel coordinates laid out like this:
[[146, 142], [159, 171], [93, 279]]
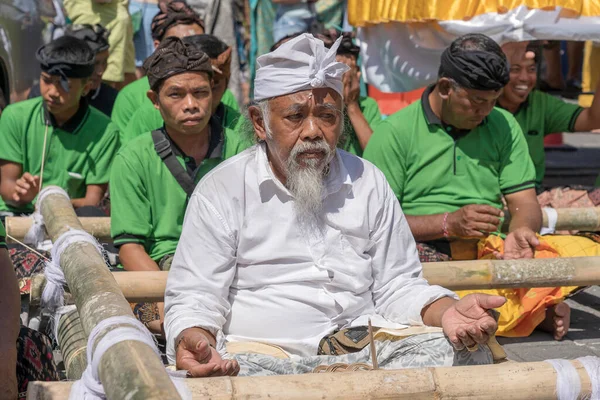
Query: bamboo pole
[[516, 381], [72, 341], [149, 286], [99, 227], [129, 369]]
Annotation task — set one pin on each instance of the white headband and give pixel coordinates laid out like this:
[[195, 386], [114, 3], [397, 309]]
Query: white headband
[[300, 64]]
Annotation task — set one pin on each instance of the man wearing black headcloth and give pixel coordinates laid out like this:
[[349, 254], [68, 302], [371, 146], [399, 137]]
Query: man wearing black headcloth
[[156, 172], [451, 156], [101, 95], [56, 139]]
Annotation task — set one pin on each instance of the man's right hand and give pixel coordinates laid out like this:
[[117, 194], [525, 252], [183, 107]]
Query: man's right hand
[[195, 355], [474, 221], [26, 188]]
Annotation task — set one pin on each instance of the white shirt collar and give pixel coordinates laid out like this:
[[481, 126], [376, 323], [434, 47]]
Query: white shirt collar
[[337, 178]]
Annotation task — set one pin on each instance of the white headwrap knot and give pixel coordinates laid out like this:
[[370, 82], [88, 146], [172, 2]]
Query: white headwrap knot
[[302, 63]]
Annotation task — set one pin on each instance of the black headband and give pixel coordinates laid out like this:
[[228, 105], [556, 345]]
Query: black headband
[[54, 66], [479, 70]]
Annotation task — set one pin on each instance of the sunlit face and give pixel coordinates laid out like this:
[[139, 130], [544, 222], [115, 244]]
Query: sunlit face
[[307, 117], [57, 100], [466, 108], [180, 31], [100, 65], [523, 77], [184, 101]]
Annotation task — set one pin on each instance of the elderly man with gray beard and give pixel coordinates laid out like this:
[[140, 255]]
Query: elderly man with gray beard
[[289, 248]]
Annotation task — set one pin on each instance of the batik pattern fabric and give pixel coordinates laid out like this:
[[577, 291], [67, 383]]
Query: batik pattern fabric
[[27, 263], [35, 361], [418, 351], [428, 253]]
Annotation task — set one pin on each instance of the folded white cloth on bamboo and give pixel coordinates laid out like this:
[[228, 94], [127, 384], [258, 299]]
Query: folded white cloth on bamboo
[[246, 271], [399, 57], [300, 64]]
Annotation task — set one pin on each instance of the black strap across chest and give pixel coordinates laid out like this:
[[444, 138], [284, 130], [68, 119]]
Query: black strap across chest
[[165, 152]]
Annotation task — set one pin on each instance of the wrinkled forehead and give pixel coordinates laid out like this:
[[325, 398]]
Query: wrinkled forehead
[[318, 97]]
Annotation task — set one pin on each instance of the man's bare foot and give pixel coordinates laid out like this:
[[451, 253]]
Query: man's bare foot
[[558, 319]]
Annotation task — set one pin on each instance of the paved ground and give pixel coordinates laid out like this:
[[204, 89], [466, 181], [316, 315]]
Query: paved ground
[[583, 338]]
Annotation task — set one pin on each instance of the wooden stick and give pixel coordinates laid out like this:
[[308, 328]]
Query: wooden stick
[[99, 227], [129, 369], [148, 286], [515, 381]]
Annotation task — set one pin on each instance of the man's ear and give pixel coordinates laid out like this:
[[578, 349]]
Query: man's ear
[[156, 43], [444, 87], [153, 96], [86, 88], [258, 122]]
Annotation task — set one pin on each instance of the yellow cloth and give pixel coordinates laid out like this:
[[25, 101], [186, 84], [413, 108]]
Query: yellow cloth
[[525, 309], [362, 12], [589, 74], [115, 17]]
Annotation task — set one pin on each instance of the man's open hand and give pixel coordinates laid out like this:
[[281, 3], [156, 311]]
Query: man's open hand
[[468, 322], [27, 187], [518, 244], [195, 355]]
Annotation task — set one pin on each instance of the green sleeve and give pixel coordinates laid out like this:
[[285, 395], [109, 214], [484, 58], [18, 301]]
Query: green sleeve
[[516, 168], [130, 206], [12, 135], [145, 119], [103, 155], [560, 116], [123, 109], [386, 150], [229, 100], [2, 237], [370, 110]]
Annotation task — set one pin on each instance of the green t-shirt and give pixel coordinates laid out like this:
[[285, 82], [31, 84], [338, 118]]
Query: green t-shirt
[[368, 106], [147, 203], [2, 236], [134, 96], [148, 118], [77, 154], [541, 115], [431, 172]]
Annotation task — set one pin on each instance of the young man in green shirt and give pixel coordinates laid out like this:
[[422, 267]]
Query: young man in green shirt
[[154, 174], [452, 156], [56, 139], [538, 113], [224, 107], [176, 19]]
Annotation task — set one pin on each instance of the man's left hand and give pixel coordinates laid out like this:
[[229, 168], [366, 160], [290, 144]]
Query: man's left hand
[[520, 243], [351, 82], [467, 322]]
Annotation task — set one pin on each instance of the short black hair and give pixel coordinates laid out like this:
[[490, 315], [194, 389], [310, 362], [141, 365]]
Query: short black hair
[[473, 42], [285, 39], [69, 50], [209, 44]]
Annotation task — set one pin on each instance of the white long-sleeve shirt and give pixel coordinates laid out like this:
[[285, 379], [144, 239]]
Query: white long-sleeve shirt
[[245, 270]]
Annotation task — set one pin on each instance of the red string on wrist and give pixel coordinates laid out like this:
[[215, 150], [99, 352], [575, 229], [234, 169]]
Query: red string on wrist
[[445, 225]]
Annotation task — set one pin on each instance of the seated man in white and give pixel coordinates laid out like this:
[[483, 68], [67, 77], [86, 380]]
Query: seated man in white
[[293, 240]]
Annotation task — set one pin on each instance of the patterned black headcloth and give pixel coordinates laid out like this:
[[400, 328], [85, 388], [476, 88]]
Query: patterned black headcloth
[[173, 57], [96, 36], [176, 12], [67, 57]]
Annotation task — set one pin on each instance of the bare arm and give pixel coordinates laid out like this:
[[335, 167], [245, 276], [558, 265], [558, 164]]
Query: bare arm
[[16, 188], [10, 304], [525, 210], [359, 123], [93, 196], [133, 256], [589, 118], [426, 227], [432, 314]]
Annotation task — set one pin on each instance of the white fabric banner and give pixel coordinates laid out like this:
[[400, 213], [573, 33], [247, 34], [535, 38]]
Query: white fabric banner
[[399, 57]]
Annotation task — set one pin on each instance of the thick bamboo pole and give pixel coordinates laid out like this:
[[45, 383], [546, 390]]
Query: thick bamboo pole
[[515, 381], [99, 227], [150, 286], [72, 341], [128, 369]]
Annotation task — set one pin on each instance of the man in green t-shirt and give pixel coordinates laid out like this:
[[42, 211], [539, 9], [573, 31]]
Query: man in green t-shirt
[[224, 107], [176, 19], [538, 113], [452, 156], [56, 139], [154, 174]]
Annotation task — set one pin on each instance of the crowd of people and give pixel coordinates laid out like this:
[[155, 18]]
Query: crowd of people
[[289, 222]]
